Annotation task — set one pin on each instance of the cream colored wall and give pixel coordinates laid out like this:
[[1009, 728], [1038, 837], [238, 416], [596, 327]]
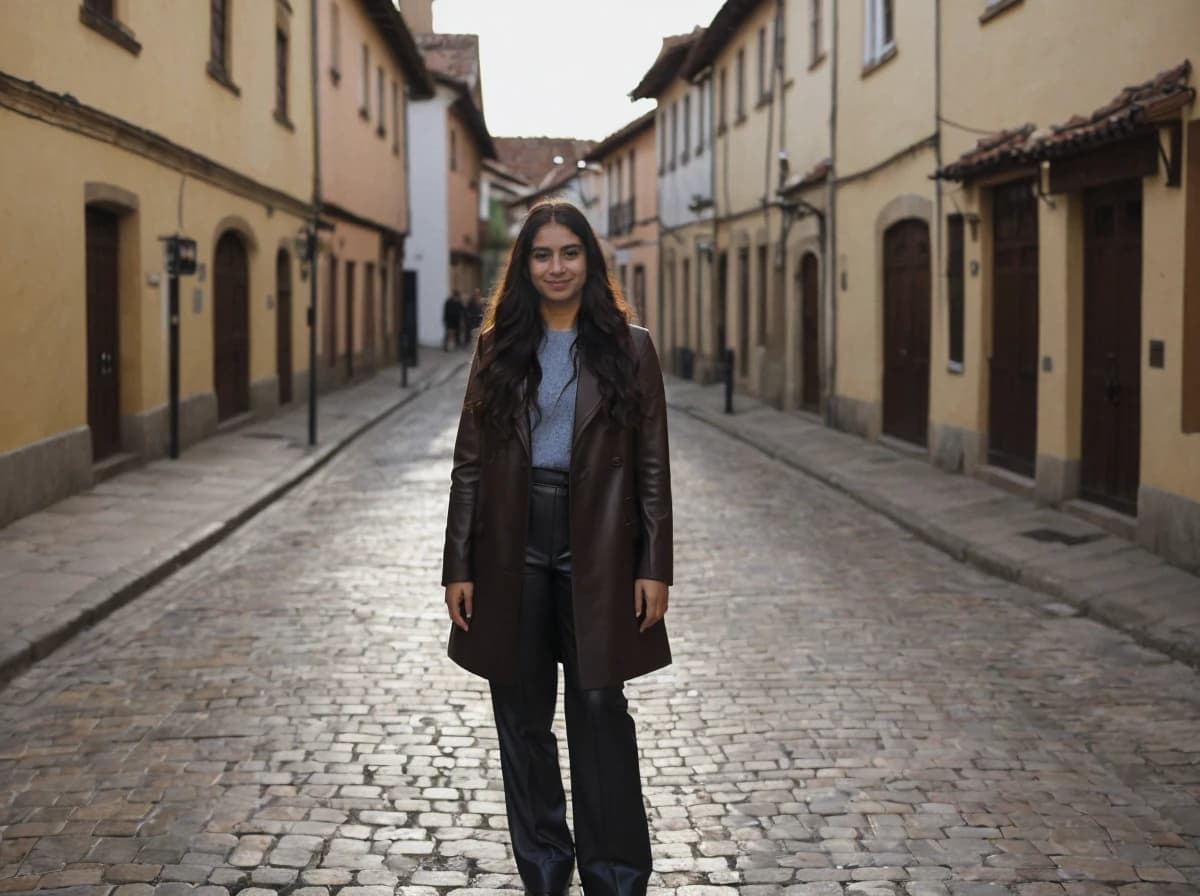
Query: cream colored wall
[[1170, 459], [359, 169], [463, 187], [742, 177], [166, 88], [45, 316], [645, 180], [807, 94], [892, 107]]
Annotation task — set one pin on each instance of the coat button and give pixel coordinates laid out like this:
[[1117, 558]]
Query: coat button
[[616, 461]]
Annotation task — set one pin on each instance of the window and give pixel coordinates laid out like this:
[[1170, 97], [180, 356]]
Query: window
[[674, 134], [954, 283], [815, 50], [701, 104], [219, 36], [721, 120], [395, 118], [281, 75], [639, 290], [364, 84], [380, 129], [101, 17], [741, 85], [779, 57], [762, 65], [662, 140], [335, 43], [687, 127], [453, 149], [878, 32], [632, 186]]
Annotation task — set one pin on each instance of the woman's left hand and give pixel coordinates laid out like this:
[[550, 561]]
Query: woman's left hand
[[649, 601]]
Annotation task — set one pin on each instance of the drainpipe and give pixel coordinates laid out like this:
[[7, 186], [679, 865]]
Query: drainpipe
[[831, 266], [313, 268]]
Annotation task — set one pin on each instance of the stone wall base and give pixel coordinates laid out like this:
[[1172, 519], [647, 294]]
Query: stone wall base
[[863, 418], [1057, 479], [36, 475], [1169, 524], [953, 448]]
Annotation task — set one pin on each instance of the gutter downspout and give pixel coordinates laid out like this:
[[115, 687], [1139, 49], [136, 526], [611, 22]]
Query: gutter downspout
[[313, 268], [939, 268], [831, 266]]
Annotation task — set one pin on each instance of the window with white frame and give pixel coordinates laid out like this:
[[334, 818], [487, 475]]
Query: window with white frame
[[879, 36], [364, 84]]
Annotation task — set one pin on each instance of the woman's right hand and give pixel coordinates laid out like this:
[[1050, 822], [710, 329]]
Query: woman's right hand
[[460, 597]]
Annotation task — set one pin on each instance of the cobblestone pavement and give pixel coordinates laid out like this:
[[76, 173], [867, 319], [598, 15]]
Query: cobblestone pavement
[[850, 711]]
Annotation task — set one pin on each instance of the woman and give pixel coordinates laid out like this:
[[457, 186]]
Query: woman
[[558, 549]]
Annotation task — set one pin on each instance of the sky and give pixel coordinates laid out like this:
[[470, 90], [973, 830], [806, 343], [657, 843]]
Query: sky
[[564, 68]]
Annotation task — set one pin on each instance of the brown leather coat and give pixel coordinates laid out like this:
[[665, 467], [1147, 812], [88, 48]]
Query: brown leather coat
[[620, 496]]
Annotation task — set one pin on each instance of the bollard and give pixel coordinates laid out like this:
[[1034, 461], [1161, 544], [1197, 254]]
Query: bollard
[[728, 381]]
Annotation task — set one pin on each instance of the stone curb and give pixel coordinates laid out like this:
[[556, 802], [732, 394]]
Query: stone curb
[[32, 643], [961, 549]]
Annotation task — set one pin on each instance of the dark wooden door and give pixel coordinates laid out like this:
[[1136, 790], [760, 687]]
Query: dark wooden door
[[906, 331], [743, 345], [1013, 367], [331, 316], [369, 314], [104, 397], [409, 320], [349, 319], [720, 305], [810, 334], [1112, 335], [283, 325], [231, 327]]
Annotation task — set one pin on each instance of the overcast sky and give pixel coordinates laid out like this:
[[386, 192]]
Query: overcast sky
[[564, 68]]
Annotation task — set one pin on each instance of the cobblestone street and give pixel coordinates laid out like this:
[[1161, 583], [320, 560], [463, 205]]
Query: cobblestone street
[[850, 711]]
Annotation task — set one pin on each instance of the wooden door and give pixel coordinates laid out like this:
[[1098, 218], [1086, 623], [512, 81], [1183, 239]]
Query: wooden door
[[331, 316], [906, 300], [1112, 335], [369, 314], [231, 327], [810, 334], [349, 319], [283, 325], [743, 345], [104, 397], [1013, 366], [720, 304]]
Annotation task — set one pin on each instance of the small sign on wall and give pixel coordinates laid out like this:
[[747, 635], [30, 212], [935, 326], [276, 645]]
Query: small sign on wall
[[197, 300]]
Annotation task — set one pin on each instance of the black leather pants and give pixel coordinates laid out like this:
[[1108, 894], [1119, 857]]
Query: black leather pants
[[611, 834]]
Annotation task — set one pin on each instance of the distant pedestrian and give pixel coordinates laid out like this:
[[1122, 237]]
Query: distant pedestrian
[[564, 396], [451, 319]]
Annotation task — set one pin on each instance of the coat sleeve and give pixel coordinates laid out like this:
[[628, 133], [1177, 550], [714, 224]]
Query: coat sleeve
[[464, 488], [653, 472]]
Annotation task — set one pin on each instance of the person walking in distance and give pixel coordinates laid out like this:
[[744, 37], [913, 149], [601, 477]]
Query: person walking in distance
[[559, 549], [451, 320]]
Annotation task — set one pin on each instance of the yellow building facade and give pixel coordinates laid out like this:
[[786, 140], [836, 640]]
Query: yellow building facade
[[1070, 214], [124, 123]]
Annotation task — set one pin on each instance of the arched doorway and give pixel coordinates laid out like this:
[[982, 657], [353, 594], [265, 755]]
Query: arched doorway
[[283, 325], [906, 301], [810, 334], [231, 326]]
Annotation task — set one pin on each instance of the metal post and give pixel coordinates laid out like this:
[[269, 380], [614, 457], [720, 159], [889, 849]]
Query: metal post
[[173, 360], [311, 252], [728, 381]]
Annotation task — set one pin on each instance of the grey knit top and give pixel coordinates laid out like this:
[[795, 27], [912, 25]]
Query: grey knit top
[[551, 434]]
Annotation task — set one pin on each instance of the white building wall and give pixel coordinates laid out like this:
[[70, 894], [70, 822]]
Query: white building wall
[[428, 247], [678, 189]]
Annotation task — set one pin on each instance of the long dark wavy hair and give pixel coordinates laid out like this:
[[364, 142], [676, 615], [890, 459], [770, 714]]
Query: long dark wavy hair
[[513, 329]]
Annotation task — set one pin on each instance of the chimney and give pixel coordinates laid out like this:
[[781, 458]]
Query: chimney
[[418, 15]]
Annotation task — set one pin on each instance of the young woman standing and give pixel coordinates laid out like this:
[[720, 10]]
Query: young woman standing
[[558, 549]]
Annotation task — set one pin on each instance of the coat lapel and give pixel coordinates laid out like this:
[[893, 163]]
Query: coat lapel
[[587, 401], [523, 423]]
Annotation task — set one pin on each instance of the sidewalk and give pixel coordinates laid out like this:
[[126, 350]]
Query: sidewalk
[[1090, 571], [65, 567]]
